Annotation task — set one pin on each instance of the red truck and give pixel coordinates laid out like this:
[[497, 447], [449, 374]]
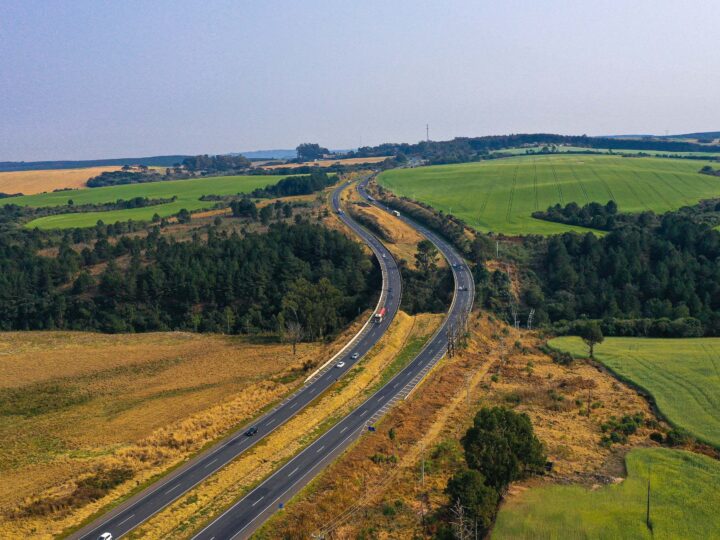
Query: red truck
[[380, 315]]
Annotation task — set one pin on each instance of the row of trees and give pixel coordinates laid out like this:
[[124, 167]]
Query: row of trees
[[297, 185], [302, 272]]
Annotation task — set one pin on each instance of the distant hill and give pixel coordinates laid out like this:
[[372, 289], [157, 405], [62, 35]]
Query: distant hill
[[268, 154], [153, 161], [703, 135]]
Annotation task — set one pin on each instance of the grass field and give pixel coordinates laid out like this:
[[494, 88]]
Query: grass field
[[501, 195], [564, 149], [32, 182], [684, 503], [188, 194], [683, 375]]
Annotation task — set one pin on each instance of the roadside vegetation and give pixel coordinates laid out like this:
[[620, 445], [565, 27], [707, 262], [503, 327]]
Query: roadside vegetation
[[189, 513]]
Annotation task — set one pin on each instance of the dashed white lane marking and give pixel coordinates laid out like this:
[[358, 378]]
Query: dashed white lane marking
[[213, 461], [172, 488], [343, 430], [260, 499], [320, 449], [293, 472], [126, 519]]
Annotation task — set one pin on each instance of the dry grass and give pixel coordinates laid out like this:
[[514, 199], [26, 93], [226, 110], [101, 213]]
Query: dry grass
[[329, 162], [217, 493], [32, 182], [358, 496], [75, 405]]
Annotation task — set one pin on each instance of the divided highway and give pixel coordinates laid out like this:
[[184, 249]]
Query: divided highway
[[251, 511], [147, 503]]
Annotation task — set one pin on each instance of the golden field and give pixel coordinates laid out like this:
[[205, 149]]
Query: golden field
[[32, 182], [329, 162], [77, 406]]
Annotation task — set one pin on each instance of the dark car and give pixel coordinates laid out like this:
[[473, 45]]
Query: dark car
[[250, 432]]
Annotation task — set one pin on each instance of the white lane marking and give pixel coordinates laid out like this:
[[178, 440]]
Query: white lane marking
[[270, 422], [172, 488], [313, 390], [343, 430], [294, 405], [396, 385], [320, 449], [363, 413], [126, 519], [380, 398], [260, 499], [293, 472], [213, 461]]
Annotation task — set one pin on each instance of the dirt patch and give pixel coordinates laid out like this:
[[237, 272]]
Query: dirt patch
[[329, 162], [32, 182]]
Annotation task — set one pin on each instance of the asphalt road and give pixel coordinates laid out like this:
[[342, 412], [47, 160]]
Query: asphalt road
[[251, 511], [145, 504]]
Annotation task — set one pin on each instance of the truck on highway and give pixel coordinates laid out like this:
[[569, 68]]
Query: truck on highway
[[380, 315], [396, 213]]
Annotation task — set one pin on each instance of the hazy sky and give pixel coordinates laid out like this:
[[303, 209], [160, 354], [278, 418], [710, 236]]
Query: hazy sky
[[91, 79]]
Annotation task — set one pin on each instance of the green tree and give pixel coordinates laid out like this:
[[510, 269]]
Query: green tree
[[266, 214], [501, 445], [311, 151], [479, 500], [592, 335]]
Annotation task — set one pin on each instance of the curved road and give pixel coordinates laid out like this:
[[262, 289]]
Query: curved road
[[248, 514], [147, 503]]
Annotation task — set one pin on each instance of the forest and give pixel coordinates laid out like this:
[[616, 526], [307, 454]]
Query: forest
[[299, 273], [659, 277]]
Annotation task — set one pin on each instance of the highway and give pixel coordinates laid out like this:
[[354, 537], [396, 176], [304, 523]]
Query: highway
[[244, 517], [153, 499]]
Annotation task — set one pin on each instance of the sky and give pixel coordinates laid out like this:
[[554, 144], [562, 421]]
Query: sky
[[87, 80]]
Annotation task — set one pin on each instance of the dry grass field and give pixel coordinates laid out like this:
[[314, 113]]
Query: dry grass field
[[78, 407], [191, 511], [33, 182], [329, 162], [361, 496]]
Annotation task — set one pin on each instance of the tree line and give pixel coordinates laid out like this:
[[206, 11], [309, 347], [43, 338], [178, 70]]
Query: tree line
[[302, 273]]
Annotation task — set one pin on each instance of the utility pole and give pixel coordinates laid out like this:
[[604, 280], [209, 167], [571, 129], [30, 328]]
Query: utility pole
[[427, 132], [647, 512]]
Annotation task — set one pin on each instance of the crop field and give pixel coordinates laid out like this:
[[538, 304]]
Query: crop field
[[683, 375], [75, 403], [501, 195], [684, 502], [32, 182], [570, 149], [188, 193]]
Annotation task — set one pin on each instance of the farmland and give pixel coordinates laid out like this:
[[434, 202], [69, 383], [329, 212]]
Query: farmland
[[188, 193], [683, 375], [501, 195], [75, 403], [684, 502], [33, 182]]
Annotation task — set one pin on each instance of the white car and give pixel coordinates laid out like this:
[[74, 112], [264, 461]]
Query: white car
[[355, 356], [105, 536], [340, 364]]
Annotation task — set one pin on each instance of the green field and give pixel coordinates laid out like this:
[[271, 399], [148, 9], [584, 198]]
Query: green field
[[500, 195], [683, 375], [684, 499], [188, 194]]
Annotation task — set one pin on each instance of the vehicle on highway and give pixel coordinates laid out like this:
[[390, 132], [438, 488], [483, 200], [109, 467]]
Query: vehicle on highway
[[396, 213], [250, 432], [461, 288], [355, 356], [105, 536], [380, 315], [340, 364]]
